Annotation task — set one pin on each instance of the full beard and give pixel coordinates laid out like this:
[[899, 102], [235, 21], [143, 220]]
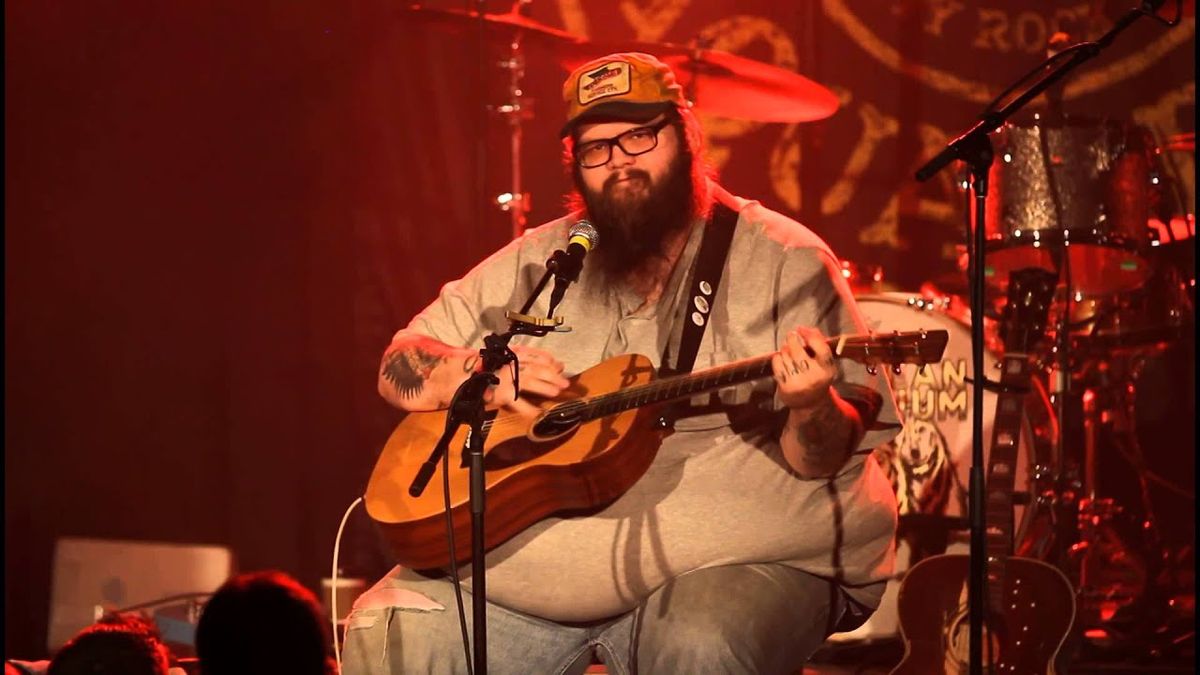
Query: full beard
[[635, 218]]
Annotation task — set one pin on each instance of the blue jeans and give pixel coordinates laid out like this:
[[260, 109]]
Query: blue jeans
[[759, 618]]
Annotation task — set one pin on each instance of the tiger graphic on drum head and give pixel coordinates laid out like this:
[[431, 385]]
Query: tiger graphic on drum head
[[919, 465]]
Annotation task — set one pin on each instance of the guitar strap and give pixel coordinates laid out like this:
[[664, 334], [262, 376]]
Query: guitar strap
[[702, 294], [706, 279]]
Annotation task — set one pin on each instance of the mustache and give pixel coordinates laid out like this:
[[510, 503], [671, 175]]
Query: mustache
[[635, 227], [611, 181]]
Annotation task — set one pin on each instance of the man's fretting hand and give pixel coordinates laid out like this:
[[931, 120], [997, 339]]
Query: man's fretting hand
[[804, 369]]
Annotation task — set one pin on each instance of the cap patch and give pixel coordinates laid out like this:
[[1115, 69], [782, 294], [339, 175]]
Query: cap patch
[[610, 79]]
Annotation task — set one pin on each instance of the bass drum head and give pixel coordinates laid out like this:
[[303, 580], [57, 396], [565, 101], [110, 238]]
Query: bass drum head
[[929, 462]]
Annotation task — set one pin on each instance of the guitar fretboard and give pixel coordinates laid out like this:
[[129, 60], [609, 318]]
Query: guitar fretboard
[[916, 347], [676, 387], [1002, 466]]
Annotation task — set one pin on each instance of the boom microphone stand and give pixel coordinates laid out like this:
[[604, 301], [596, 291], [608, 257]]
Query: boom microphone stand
[[975, 148], [467, 407]]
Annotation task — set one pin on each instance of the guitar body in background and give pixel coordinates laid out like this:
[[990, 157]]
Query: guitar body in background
[[1024, 635]]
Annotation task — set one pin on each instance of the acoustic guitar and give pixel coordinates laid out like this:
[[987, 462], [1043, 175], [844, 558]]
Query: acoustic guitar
[[1029, 605], [584, 449]]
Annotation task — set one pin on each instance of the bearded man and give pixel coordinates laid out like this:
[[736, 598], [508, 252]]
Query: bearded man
[[762, 525]]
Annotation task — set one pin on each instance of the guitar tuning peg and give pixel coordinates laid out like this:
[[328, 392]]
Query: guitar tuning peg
[[923, 335], [896, 368], [872, 370]]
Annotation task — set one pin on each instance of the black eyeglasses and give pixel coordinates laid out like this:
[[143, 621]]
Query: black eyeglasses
[[637, 141]]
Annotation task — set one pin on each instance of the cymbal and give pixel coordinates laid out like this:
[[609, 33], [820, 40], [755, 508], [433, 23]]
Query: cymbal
[[726, 85], [510, 21]]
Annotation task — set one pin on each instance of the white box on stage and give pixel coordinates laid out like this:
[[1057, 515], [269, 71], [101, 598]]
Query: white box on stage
[[94, 575]]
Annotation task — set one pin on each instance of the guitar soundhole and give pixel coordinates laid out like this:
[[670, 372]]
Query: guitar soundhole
[[556, 422], [958, 643]]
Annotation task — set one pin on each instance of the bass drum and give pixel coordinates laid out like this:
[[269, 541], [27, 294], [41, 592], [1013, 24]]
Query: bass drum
[[929, 462]]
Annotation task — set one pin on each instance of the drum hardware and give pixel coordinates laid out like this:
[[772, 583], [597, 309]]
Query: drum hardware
[[1170, 162], [1115, 557], [862, 279], [1175, 229], [1043, 472], [1121, 418], [1103, 329], [1111, 574], [930, 304], [517, 108]]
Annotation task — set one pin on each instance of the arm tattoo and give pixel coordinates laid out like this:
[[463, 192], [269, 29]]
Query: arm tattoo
[[408, 369], [824, 436]]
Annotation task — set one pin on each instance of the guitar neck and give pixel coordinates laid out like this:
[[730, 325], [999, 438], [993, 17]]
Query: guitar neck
[[676, 387], [897, 348], [915, 347], [1002, 466]]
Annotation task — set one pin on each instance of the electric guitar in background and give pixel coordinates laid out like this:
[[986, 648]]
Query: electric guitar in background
[[583, 450], [1029, 604]]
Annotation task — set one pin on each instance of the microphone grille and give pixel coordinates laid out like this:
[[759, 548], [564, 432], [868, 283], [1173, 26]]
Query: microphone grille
[[585, 230]]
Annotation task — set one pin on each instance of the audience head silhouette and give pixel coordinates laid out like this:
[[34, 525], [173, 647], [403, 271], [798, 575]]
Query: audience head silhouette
[[118, 644], [263, 622]]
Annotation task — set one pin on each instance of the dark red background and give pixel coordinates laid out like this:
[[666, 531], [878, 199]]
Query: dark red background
[[216, 215]]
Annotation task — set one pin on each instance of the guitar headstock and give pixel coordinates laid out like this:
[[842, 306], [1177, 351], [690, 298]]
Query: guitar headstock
[[1023, 321], [918, 347]]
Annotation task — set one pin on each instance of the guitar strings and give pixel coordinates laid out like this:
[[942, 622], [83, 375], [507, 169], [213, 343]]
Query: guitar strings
[[670, 387]]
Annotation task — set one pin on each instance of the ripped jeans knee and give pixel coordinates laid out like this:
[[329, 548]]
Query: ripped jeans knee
[[408, 623], [376, 643]]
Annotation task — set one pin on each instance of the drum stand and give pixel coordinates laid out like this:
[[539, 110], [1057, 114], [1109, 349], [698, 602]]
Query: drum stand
[[516, 110], [1118, 556]]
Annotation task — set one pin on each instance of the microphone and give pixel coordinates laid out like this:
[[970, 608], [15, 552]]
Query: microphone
[[581, 238]]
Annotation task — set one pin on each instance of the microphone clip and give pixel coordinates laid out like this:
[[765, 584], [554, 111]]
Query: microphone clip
[[566, 267], [535, 325]]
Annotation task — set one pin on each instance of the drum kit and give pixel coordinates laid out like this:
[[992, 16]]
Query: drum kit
[[1094, 201], [1087, 200]]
